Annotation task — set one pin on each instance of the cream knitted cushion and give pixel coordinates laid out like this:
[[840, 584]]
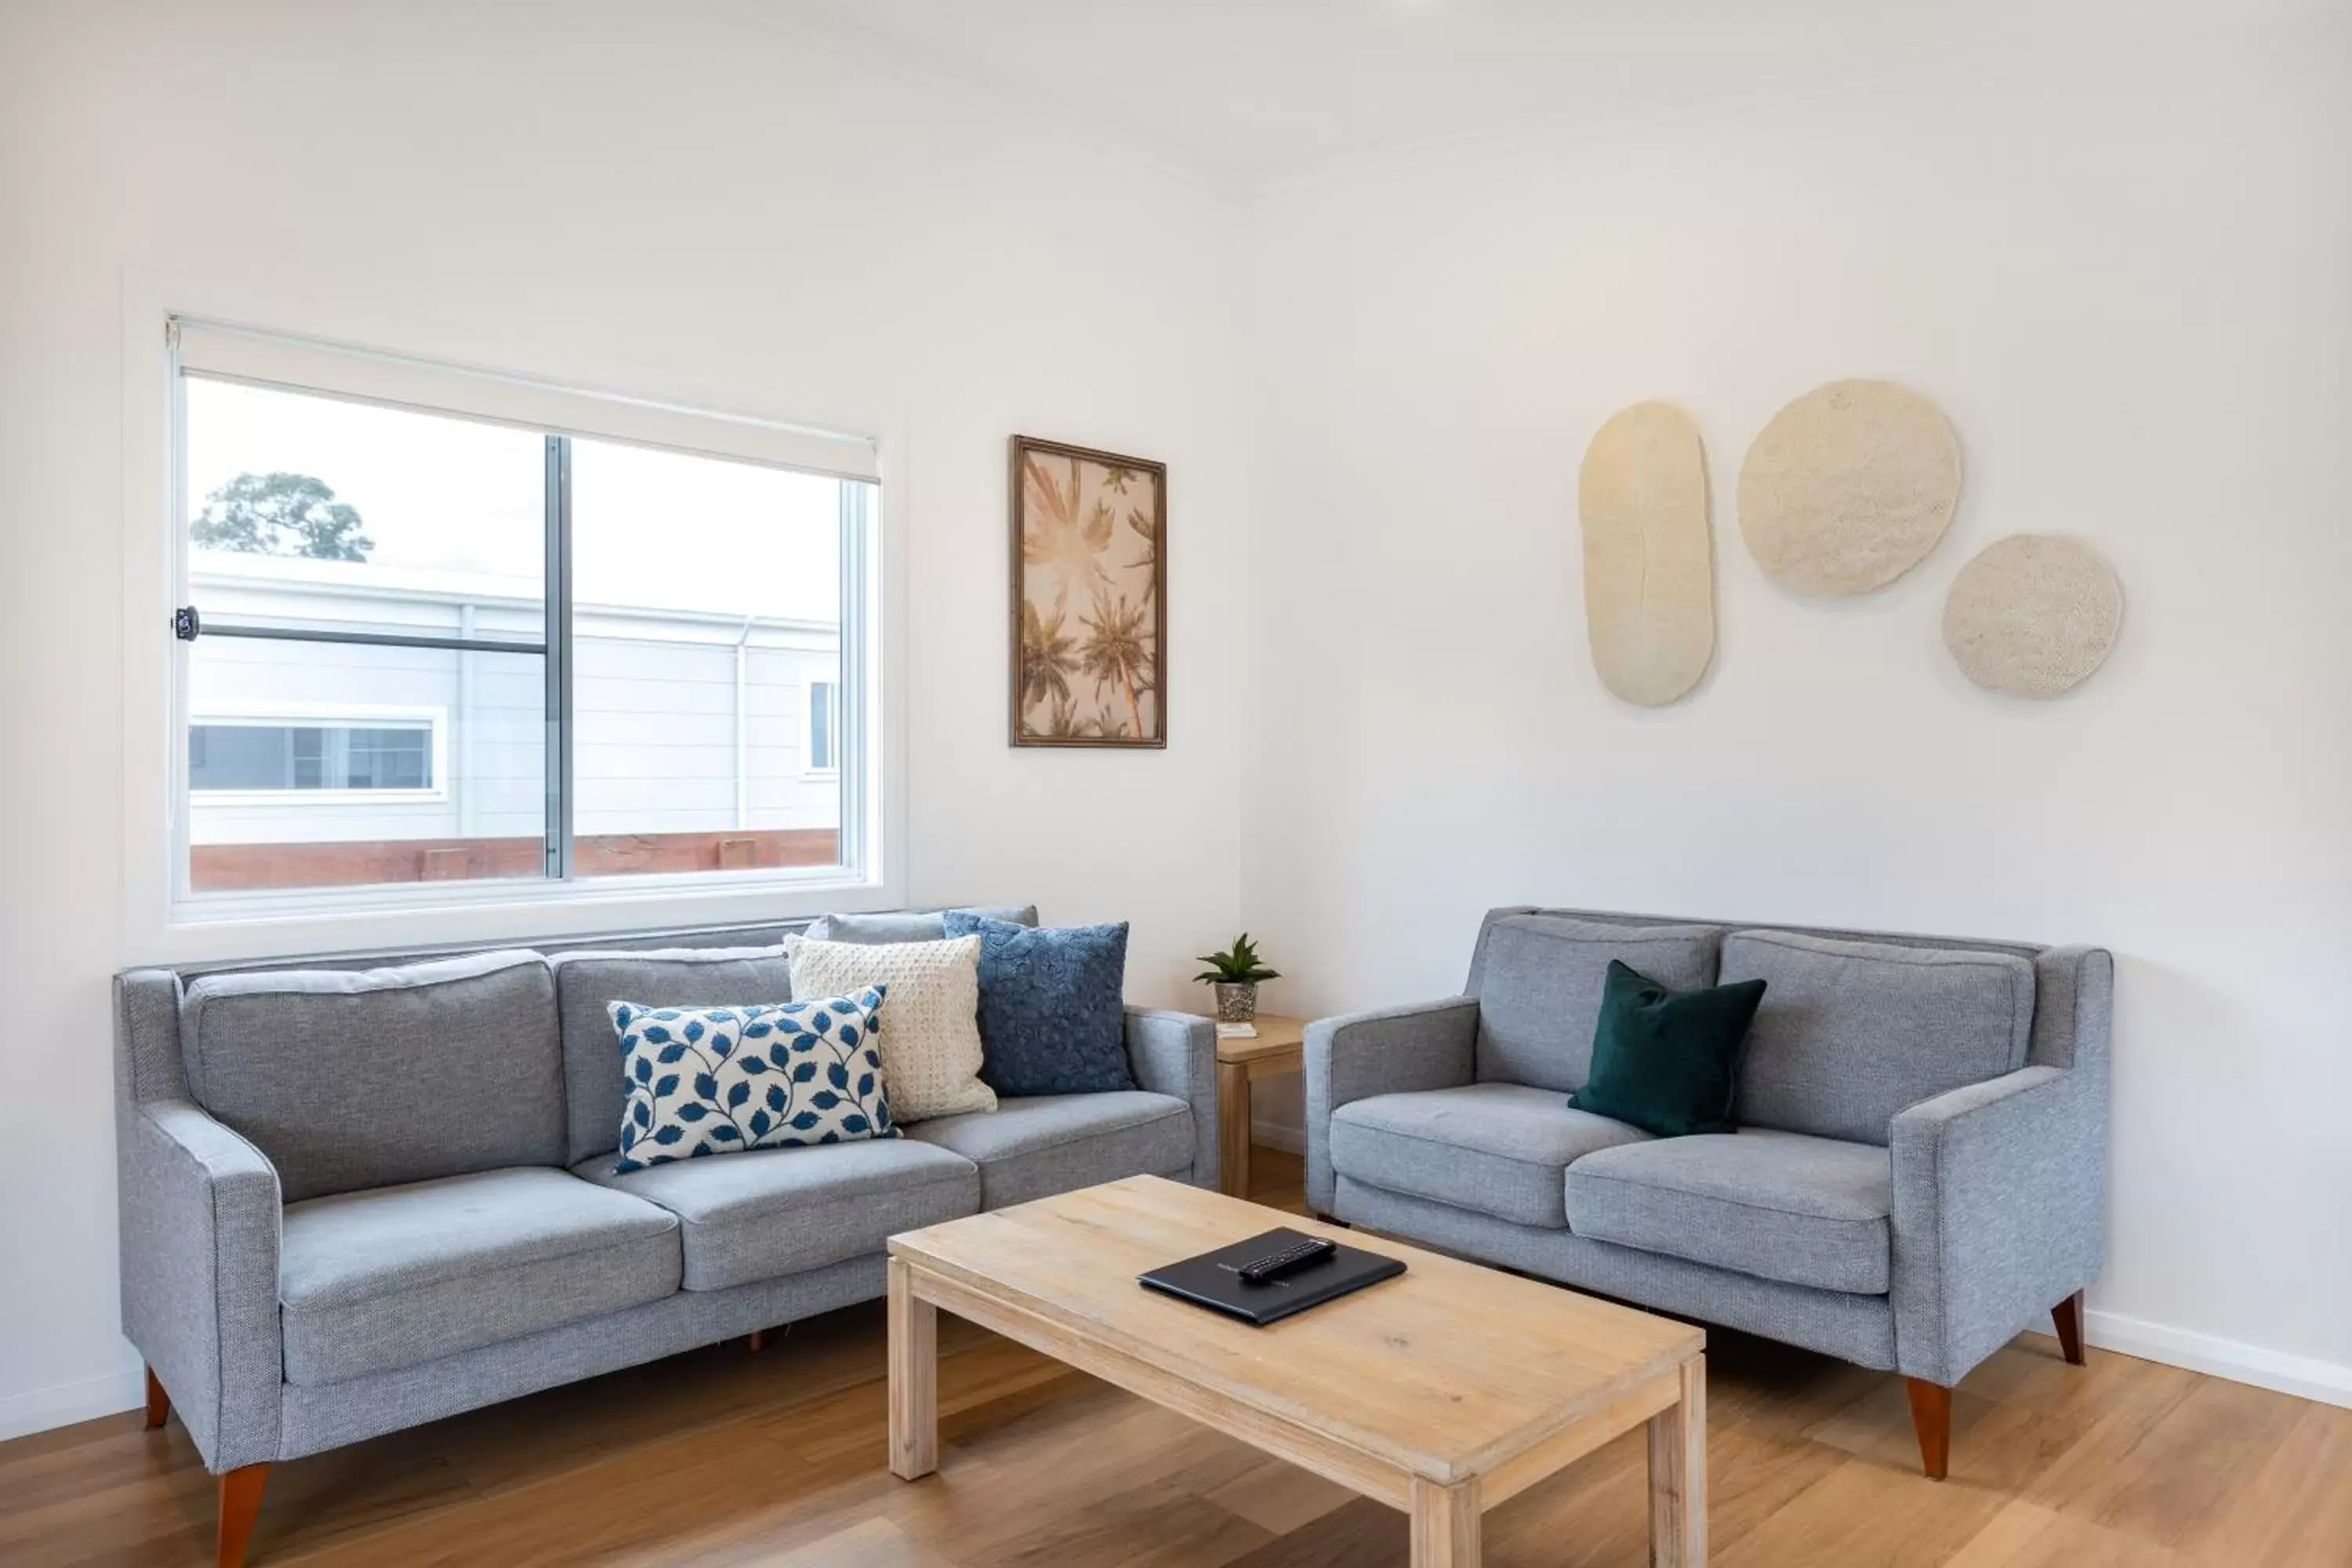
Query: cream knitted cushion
[[928, 1027]]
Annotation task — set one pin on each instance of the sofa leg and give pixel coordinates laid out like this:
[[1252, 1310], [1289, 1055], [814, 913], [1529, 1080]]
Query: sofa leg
[[759, 1338], [240, 1501], [2068, 1315], [159, 1404], [1931, 1417], [1330, 1219]]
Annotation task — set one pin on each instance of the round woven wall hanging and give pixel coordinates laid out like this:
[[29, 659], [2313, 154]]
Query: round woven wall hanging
[[1849, 487], [2033, 615]]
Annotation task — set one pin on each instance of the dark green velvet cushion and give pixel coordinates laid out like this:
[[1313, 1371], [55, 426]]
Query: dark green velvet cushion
[[1668, 1062]]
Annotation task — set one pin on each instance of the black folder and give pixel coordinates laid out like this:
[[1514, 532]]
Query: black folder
[[1213, 1279]]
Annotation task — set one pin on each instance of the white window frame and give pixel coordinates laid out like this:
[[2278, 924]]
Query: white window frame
[[809, 769], [330, 715], [163, 921]]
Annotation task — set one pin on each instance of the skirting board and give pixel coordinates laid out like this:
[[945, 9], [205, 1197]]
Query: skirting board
[[43, 1408], [1275, 1136], [2303, 1376]]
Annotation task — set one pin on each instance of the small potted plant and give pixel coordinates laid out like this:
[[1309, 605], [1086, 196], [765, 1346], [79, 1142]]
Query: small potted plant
[[1235, 974]]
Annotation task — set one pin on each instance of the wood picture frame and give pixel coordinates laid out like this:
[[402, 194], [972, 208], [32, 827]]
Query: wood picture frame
[[1089, 632]]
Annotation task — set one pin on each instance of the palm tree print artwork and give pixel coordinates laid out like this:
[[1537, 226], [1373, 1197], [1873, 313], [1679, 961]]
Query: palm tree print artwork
[[1089, 597]]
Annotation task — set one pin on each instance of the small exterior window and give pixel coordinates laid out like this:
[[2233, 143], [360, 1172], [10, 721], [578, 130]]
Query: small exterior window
[[248, 756]]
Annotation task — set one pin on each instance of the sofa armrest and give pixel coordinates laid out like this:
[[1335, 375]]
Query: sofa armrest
[[1999, 1212], [1176, 1053], [1391, 1051], [200, 1217]]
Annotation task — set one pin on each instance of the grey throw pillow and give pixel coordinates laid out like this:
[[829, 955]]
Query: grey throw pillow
[[1053, 1017]]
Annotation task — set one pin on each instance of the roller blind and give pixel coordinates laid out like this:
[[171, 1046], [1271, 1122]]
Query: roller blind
[[238, 353]]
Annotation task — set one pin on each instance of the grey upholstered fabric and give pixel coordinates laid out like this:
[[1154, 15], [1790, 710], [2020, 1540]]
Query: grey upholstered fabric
[[929, 925], [1997, 1186], [330, 1415], [1175, 1054], [353, 1079], [1391, 1050], [1498, 1148], [2073, 989], [760, 1212], [1780, 1205], [147, 1064], [1860, 1328], [199, 1244], [1030, 1146], [202, 1206], [1539, 989], [1850, 1033], [1999, 1212], [594, 1090], [399, 1276]]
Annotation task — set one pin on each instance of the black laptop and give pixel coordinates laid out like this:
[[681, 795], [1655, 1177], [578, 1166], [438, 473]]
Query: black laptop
[[1215, 1279]]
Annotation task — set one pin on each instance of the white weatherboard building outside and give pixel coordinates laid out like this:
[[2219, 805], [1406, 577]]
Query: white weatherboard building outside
[[683, 720]]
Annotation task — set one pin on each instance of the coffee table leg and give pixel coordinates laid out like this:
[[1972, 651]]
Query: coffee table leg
[[914, 1379], [1445, 1525], [1233, 1129], [1678, 1476]]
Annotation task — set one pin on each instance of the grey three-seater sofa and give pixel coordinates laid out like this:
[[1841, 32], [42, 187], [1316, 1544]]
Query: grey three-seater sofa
[[358, 1198], [1919, 1170]]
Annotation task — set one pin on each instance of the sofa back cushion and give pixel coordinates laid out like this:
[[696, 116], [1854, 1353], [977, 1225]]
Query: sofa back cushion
[[1539, 982], [1851, 1032], [909, 925], [595, 1085], [354, 1079]]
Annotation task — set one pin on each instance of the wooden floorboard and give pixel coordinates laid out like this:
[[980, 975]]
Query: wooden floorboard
[[722, 1458]]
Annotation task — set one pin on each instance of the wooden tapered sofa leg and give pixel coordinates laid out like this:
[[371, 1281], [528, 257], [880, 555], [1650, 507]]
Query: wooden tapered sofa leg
[[240, 1501], [2068, 1315], [1931, 1417], [159, 1404]]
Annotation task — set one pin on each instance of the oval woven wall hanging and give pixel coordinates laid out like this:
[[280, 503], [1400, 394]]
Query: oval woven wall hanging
[[1649, 554]]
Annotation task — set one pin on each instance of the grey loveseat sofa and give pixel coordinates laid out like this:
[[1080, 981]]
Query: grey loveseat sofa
[[1919, 1170], [360, 1196]]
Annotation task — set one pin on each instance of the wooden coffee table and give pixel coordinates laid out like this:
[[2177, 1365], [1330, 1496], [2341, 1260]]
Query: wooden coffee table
[[1441, 1391]]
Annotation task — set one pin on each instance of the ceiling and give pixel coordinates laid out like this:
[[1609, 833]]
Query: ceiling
[[1254, 92]]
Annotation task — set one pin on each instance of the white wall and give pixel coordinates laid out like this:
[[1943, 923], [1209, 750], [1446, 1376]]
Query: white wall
[[675, 190], [2125, 277]]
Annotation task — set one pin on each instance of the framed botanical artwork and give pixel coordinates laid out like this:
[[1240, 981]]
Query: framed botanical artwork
[[1089, 597]]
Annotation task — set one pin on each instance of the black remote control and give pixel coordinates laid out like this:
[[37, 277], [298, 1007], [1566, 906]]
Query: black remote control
[[1274, 1265]]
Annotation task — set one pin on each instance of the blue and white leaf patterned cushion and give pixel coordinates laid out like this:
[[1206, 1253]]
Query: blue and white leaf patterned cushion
[[714, 1080]]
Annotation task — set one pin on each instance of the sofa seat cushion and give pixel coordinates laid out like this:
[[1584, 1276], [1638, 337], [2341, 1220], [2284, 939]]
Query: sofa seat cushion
[[376, 1280], [1779, 1205], [1497, 1148], [1037, 1145], [766, 1213]]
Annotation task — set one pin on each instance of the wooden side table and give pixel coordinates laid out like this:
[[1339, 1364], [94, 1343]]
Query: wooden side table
[[1279, 1047]]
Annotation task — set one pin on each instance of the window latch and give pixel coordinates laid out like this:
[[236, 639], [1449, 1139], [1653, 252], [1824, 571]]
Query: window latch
[[186, 624]]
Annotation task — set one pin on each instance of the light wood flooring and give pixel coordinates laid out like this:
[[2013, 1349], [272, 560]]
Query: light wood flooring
[[726, 1456]]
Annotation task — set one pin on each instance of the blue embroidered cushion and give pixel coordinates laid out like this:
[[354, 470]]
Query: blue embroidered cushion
[[711, 1081], [1053, 1017]]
